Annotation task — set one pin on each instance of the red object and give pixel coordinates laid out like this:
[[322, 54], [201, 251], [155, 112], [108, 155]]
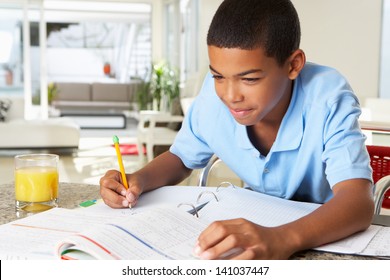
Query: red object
[[107, 69], [129, 149], [380, 163]]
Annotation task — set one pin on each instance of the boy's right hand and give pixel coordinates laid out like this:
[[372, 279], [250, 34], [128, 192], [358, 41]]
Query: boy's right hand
[[114, 194]]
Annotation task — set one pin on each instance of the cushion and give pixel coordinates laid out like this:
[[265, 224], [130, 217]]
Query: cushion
[[109, 92], [73, 91], [5, 105]]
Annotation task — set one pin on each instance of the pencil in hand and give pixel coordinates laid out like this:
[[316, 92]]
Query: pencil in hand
[[120, 162]]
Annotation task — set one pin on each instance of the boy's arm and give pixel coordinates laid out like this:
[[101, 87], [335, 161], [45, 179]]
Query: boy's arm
[[166, 169], [349, 211]]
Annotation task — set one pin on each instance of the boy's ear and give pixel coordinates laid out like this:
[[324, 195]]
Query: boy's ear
[[296, 62]]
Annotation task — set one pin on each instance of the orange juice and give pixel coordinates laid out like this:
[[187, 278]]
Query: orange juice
[[36, 183]]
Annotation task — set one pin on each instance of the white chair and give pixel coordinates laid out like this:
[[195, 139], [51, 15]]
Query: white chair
[[381, 195], [150, 134], [216, 173]]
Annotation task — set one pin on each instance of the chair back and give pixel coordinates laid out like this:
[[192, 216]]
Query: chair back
[[380, 163]]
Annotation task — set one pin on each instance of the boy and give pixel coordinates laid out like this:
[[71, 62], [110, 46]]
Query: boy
[[288, 128]]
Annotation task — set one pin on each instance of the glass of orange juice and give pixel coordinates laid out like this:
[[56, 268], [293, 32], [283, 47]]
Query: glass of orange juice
[[36, 182]]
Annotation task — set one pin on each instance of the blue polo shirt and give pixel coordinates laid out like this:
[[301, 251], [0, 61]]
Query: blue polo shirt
[[319, 142]]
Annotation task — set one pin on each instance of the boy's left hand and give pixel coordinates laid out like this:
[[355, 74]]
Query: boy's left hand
[[241, 239]]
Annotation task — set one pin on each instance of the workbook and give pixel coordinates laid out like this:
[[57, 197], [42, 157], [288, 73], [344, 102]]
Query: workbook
[[165, 230], [158, 233], [168, 233]]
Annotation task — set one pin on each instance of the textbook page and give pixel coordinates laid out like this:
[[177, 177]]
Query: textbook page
[[168, 196], [354, 244], [35, 237], [160, 233], [380, 244], [18, 243], [259, 208]]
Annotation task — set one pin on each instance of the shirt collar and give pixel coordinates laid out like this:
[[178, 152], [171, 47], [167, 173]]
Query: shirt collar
[[291, 129], [242, 137]]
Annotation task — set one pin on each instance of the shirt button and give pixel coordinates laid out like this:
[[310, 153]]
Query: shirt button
[[266, 170]]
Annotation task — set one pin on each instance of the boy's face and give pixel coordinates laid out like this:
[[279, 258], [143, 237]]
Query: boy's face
[[253, 86]]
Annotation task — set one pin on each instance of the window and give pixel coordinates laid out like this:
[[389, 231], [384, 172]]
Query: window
[[91, 34], [171, 31], [10, 47], [81, 37], [189, 38], [6, 46]]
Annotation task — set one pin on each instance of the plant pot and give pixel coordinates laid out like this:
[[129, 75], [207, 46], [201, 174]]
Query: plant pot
[[107, 69]]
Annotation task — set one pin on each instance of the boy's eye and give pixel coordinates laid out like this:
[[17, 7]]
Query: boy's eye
[[217, 77], [251, 80]]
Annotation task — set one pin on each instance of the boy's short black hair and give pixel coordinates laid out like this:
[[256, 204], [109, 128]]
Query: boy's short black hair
[[250, 24]]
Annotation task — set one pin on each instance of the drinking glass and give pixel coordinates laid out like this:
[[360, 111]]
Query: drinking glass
[[36, 182]]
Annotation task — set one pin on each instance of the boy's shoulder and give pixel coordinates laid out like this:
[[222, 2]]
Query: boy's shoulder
[[323, 82], [316, 72]]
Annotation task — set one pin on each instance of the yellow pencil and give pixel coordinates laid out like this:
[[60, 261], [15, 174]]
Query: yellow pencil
[[120, 162]]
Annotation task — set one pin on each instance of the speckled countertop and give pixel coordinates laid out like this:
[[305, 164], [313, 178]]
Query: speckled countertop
[[72, 194]]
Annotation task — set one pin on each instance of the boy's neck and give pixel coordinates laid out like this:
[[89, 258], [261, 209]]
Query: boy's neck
[[263, 134]]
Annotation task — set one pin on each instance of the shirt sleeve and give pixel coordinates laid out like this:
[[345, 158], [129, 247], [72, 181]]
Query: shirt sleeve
[[189, 145], [345, 153]]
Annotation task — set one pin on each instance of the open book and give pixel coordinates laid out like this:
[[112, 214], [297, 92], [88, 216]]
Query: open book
[[168, 233], [36, 236], [158, 229], [159, 233]]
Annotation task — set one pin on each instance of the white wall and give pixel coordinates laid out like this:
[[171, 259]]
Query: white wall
[[207, 9], [343, 34], [384, 88], [157, 30], [346, 35]]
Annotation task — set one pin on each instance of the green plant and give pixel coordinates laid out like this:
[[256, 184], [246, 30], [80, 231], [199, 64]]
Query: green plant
[[52, 92], [164, 83], [143, 96], [161, 85]]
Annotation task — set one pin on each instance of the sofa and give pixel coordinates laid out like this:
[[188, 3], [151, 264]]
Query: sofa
[[49, 134], [96, 97]]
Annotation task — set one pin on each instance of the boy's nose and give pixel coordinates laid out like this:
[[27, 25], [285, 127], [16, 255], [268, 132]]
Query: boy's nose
[[232, 93]]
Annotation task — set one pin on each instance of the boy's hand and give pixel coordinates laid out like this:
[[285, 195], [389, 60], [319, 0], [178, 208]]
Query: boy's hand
[[114, 194], [240, 239]]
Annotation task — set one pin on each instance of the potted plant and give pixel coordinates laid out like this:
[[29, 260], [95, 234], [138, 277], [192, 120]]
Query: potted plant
[[164, 85], [160, 88]]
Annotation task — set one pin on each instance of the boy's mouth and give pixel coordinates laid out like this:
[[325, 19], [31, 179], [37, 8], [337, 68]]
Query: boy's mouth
[[240, 113]]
